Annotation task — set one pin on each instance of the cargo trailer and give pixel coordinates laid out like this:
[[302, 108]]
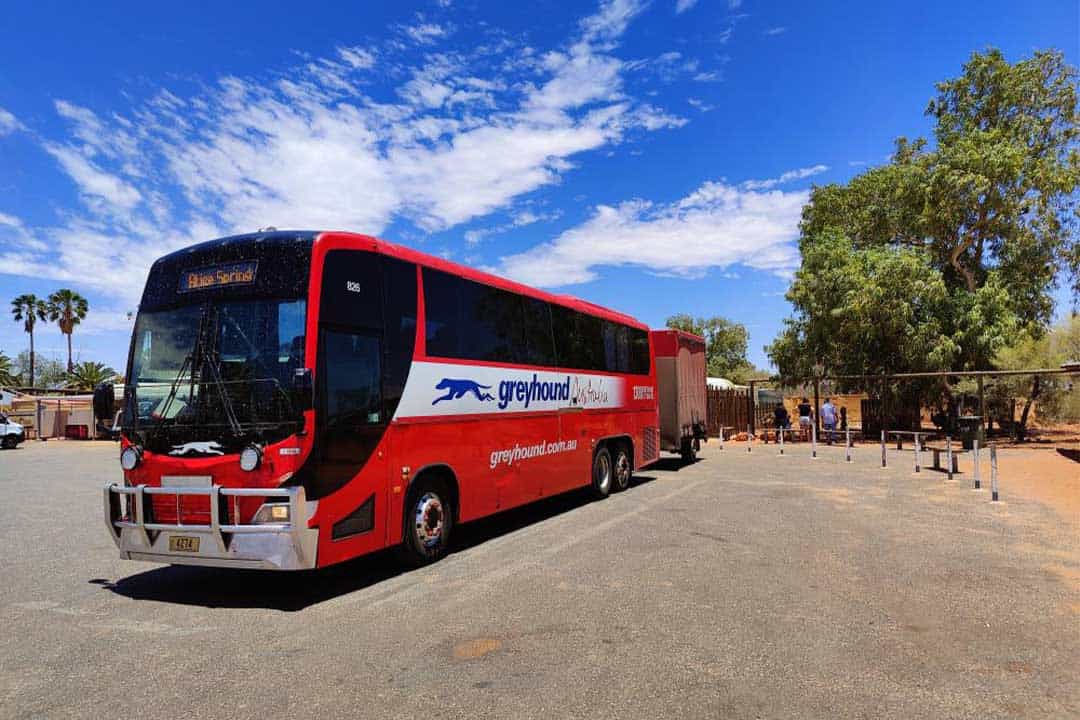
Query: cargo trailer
[[680, 381]]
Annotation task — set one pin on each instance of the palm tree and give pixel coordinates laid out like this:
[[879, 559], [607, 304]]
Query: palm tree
[[67, 308], [28, 310], [88, 375]]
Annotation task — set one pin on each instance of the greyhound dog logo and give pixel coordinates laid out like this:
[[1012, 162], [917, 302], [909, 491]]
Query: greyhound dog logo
[[198, 448], [456, 389]]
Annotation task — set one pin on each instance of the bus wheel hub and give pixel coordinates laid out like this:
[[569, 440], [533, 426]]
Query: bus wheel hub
[[429, 520]]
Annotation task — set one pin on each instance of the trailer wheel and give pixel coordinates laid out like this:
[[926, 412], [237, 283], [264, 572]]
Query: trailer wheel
[[622, 469], [689, 453], [429, 518], [601, 474]]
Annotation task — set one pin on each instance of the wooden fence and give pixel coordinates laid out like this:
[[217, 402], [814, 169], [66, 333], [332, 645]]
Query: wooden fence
[[731, 409]]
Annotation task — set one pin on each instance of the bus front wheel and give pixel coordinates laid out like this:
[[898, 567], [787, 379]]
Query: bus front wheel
[[429, 518]]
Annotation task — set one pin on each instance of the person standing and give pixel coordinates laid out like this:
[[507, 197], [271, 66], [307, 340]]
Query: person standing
[[805, 410], [781, 419], [828, 418]]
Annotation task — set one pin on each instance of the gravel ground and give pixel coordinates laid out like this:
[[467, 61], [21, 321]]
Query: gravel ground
[[743, 586]]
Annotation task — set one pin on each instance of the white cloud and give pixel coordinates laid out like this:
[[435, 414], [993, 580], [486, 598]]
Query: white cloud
[[425, 33], [461, 135], [8, 123], [718, 225], [789, 176], [519, 219], [700, 104], [734, 4], [682, 6], [776, 30]]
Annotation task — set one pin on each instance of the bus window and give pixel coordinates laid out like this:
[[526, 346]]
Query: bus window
[[639, 351], [538, 346], [351, 407], [399, 336], [490, 323], [442, 313]]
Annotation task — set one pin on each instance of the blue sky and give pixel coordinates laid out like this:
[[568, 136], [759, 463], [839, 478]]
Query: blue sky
[[652, 157]]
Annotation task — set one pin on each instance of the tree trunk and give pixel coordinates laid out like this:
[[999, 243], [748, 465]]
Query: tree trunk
[[69, 353], [31, 358], [1021, 427]]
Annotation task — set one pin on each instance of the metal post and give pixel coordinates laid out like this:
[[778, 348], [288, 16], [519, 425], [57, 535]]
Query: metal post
[[948, 456], [918, 467], [749, 444], [993, 473], [883, 464], [978, 484], [817, 396], [721, 436], [37, 407], [847, 444], [813, 441], [780, 432]]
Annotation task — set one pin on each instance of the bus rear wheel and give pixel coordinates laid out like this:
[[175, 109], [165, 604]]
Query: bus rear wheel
[[601, 474], [622, 469], [429, 518]]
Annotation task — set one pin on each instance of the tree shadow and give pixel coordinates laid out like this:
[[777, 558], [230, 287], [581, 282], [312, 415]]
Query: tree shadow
[[293, 591]]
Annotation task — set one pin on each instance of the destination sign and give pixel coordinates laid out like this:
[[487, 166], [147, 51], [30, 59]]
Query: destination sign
[[241, 273]]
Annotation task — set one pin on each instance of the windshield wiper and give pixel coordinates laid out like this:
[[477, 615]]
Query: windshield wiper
[[164, 415], [226, 401]]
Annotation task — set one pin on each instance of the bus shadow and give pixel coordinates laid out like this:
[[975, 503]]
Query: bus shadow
[[294, 591]]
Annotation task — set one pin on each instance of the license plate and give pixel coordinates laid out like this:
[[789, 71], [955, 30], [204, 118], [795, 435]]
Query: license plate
[[184, 544]]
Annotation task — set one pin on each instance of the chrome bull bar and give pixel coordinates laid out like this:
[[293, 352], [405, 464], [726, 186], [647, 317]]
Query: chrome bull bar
[[283, 545]]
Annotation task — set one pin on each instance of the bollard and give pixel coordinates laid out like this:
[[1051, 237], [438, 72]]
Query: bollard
[[721, 437], [917, 456], [948, 456], [780, 432], [978, 484], [813, 441], [749, 443], [993, 472], [883, 464], [847, 444]]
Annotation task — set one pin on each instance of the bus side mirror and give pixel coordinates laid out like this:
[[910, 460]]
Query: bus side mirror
[[303, 388]]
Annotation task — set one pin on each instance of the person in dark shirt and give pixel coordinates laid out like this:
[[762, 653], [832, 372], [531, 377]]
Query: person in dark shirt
[[781, 419], [805, 411]]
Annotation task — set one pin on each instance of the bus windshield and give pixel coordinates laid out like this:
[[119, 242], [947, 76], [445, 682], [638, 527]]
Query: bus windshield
[[218, 371]]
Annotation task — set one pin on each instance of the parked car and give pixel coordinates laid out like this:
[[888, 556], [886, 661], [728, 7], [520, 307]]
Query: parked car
[[11, 433]]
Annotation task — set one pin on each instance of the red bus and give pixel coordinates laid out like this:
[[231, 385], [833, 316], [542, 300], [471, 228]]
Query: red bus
[[296, 399]]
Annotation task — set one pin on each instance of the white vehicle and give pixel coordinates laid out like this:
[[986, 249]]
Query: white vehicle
[[11, 433]]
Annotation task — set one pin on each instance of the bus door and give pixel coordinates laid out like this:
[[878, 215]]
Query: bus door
[[574, 466]]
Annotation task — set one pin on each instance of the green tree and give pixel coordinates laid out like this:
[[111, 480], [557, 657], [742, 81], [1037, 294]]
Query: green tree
[[67, 309], [88, 375], [1054, 394], [50, 373], [726, 343], [959, 245], [28, 309], [7, 371]]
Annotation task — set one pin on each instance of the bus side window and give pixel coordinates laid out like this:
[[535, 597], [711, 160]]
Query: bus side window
[[352, 374], [537, 344], [399, 335], [442, 313], [639, 351]]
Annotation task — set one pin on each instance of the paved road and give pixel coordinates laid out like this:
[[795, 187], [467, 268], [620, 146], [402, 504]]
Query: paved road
[[744, 586]]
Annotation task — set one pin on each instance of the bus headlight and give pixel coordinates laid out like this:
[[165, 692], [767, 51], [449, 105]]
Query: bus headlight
[[130, 457], [271, 513], [250, 457]]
